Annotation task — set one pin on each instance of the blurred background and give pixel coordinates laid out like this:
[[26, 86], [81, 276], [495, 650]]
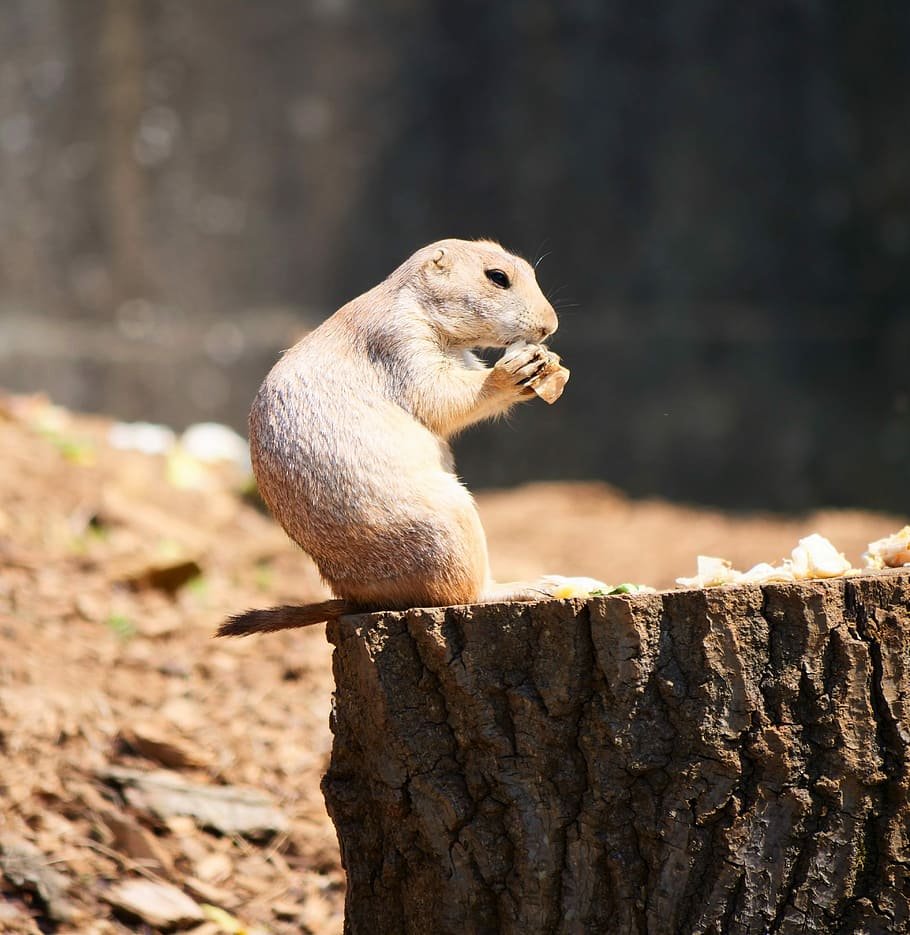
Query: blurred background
[[721, 192], [720, 195]]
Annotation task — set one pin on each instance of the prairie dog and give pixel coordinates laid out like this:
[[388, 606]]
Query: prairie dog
[[349, 432]]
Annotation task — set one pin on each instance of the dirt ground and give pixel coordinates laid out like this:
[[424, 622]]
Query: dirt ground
[[116, 567]]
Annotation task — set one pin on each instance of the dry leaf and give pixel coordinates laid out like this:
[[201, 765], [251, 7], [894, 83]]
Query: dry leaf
[[136, 842], [28, 870], [159, 904], [227, 809], [207, 893], [152, 742]]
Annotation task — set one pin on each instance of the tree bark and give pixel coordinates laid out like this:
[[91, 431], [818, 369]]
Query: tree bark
[[722, 761]]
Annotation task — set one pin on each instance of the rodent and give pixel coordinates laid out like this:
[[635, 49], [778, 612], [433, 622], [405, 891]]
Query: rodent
[[349, 432]]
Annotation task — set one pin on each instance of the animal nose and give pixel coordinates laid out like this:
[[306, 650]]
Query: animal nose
[[550, 323]]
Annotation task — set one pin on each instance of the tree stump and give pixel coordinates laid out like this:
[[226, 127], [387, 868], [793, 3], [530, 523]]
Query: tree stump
[[723, 761]]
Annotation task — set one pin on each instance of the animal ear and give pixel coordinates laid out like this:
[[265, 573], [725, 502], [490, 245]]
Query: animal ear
[[441, 259]]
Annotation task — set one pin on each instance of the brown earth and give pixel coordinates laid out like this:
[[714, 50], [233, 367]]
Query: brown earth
[[116, 567]]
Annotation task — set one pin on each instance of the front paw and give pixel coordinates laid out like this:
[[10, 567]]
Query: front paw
[[522, 365]]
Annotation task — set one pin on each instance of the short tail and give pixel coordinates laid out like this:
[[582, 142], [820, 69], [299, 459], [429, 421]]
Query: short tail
[[283, 618]]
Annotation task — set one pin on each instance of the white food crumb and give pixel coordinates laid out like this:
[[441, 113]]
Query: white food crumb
[[813, 557], [891, 552]]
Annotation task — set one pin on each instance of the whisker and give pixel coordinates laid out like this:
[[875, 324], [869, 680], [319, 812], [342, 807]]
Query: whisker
[[542, 246]]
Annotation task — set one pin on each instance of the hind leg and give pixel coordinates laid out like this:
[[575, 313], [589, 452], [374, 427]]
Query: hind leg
[[437, 556]]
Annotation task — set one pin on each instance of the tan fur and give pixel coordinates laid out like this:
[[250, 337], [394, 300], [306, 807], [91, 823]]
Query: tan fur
[[282, 618], [349, 431]]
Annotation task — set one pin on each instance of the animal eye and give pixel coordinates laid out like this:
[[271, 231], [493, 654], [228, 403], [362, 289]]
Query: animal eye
[[498, 278]]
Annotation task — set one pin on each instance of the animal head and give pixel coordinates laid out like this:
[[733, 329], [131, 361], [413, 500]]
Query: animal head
[[480, 295]]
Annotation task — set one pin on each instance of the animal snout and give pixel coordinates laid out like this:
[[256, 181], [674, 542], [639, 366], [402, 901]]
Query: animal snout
[[549, 323]]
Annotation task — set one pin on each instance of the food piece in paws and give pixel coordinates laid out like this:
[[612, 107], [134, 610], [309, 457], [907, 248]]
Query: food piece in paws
[[550, 385], [550, 380]]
